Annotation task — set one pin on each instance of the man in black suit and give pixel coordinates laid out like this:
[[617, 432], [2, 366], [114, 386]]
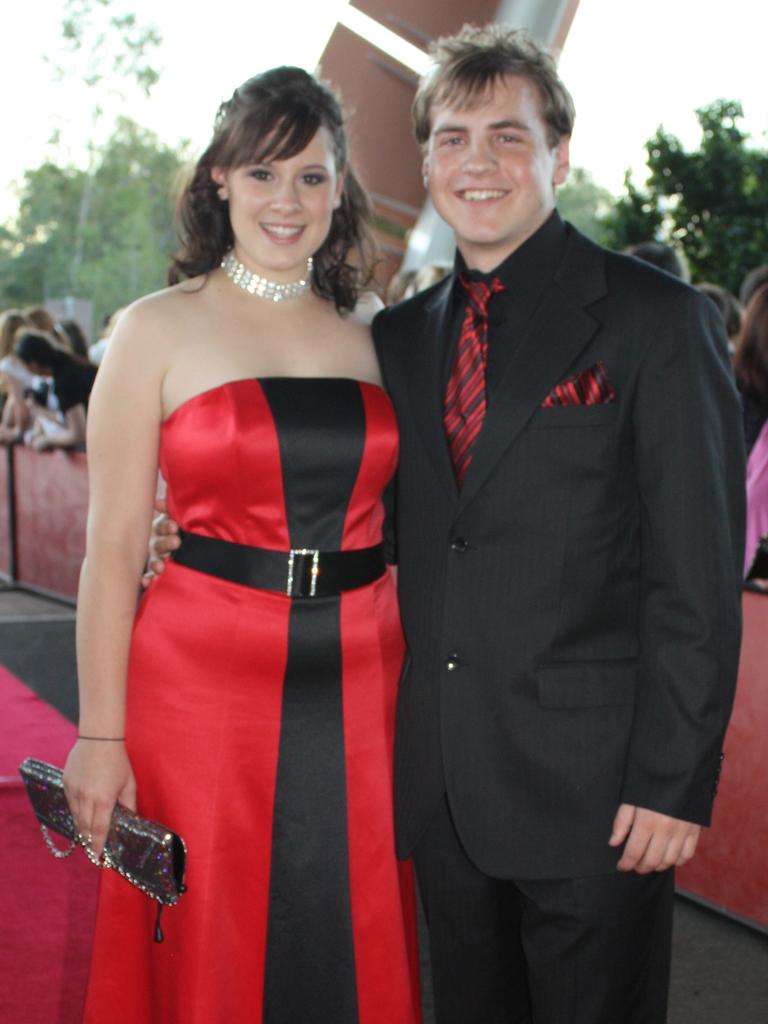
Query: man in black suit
[[569, 544]]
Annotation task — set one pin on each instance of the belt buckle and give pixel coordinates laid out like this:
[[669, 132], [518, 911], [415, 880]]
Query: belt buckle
[[314, 571]]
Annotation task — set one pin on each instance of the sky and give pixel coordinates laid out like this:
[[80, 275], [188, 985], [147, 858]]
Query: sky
[[631, 65]]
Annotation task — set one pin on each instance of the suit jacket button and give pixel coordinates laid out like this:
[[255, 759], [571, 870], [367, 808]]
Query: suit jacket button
[[452, 662], [460, 545]]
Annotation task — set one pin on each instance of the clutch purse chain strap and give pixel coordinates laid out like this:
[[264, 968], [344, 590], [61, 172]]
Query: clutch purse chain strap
[[79, 840]]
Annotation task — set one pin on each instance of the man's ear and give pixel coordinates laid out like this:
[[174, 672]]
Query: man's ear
[[562, 160]]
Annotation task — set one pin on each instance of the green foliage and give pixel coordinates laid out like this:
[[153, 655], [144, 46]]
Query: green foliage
[[635, 217], [712, 202], [584, 203], [103, 233], [126, 241], [106, 49]]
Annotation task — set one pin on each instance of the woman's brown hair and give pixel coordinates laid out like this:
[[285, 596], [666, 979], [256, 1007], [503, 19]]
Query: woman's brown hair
[[10, 321], [750, 363], [274, 116]]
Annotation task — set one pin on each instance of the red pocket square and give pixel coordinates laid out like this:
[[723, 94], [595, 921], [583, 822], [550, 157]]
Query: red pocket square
[[590, 387]]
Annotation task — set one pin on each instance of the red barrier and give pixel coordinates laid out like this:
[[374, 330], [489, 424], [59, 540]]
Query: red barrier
[[730, 869], [6, 472], [51, 510]]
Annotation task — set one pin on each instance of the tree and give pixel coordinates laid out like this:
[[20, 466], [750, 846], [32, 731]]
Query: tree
[[109, 54], [35, 263], [584, 203], [712, 202], [104, 231], [634, 217], [127, 240]]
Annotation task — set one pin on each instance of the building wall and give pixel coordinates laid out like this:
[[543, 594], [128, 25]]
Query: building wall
[[377, 93]]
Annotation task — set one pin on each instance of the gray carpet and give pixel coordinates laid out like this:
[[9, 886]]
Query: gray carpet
[[720, 968], [37, 644]]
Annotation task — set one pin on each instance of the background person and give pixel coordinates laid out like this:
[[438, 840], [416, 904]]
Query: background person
[[99, 347], [72, 380], [73, 332], [729, 308], [753, 280], [757, 502], [660, 255], [751, 368], [750, 364], [401, 286], [14, 378], [39, 318]]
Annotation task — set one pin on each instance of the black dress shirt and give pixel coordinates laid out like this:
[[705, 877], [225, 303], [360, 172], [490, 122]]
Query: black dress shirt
[[525, 274]]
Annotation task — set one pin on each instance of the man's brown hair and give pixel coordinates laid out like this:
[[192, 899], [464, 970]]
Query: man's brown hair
[[465, 65]]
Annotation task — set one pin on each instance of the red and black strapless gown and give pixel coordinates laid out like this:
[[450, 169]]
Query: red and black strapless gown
[[260, 729]]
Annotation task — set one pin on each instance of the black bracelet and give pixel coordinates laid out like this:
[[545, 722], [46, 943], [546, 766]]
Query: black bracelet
[[103, 739]]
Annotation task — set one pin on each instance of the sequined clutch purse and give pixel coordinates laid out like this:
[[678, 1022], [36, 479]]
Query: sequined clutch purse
[[145, 853]]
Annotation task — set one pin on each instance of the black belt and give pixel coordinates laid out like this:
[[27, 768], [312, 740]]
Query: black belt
[[301, 572]]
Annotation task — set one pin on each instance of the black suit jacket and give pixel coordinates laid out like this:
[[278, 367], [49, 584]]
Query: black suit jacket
[[572, 615]]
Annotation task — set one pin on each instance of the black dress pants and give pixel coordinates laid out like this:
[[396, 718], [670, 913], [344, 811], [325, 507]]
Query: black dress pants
[[592, 950]]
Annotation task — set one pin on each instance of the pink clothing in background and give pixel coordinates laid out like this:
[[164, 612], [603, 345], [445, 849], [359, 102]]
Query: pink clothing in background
[[757, 496]]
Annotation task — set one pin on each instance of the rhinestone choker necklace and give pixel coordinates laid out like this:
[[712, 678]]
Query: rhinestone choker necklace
[[255, 284]]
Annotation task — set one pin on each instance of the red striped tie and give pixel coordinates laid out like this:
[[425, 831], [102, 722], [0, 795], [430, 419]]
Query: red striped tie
[[465, 403]]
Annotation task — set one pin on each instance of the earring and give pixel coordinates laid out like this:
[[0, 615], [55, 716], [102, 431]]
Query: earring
[[222, 194]]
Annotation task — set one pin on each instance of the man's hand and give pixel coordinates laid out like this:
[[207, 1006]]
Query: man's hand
[[162, 541], [655, 841]]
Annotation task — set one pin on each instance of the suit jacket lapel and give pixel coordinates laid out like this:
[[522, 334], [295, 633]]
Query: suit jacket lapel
[[560, 329], [425, 381]]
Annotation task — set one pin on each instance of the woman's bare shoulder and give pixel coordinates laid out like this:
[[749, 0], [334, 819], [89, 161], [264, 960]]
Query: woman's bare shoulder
[[168, 303], [152, 323]]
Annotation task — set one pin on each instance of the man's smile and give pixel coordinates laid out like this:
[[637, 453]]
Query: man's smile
[[478, 195]]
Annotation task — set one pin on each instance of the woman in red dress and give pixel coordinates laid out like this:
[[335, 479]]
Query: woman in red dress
[[249, 705]]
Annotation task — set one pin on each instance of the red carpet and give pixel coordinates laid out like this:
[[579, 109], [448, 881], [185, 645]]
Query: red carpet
[[46, 906]]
